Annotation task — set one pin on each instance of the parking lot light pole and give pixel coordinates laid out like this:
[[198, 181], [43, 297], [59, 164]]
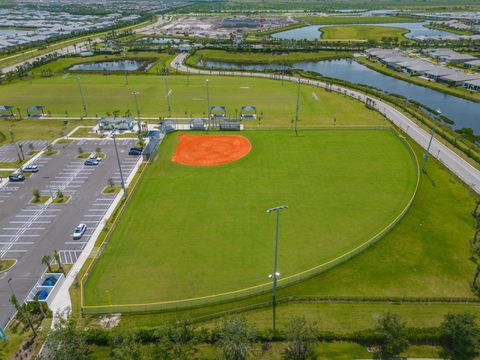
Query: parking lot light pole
[[81, 95], [135, 95], [275, 274], [119, 165]]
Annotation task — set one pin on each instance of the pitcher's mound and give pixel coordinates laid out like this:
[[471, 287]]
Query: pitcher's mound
[[210, 150]]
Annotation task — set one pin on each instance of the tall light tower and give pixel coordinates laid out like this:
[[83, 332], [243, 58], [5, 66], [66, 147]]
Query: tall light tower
[[135, 96], [122, 182], [208, 104], [297, 109], [81, 95], [168, 93], [432, 134], [275, 274]]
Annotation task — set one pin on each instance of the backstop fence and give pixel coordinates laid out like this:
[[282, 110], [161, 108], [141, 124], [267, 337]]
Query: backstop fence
[[261, 288]]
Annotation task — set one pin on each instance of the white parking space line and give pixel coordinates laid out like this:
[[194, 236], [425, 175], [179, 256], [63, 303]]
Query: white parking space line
[[17, 228], [18, 243], [12, 250], [37, 216], [22, 235], [26, 222], [75, 242]]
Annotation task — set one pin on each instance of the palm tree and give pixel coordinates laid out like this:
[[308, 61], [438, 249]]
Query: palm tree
[[56, 256], [46, 261]]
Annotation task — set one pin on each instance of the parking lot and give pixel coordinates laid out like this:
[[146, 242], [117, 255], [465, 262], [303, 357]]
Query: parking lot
[[9, 152], [29, 232]]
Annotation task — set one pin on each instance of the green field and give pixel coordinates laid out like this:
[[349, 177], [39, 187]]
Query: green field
[[263, 58], [204, 230], [275, 101], [332, 20], [362, 32]]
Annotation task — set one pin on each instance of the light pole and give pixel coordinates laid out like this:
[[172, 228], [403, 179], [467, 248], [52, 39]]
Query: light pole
[[297, 109], [119, 165], [425, 155], [275, 274], [208, 104], [168, 93], [135, 95], [81, 95]]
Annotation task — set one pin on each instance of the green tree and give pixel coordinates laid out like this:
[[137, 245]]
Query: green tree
[[46, 261], [392, 333], [80, 150], [56, 256], [460, 336], [65, 342], [125, 347], [301, 336], [236, 338], [36, 195]]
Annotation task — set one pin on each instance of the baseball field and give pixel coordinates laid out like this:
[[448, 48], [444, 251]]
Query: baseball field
[[195, 231]]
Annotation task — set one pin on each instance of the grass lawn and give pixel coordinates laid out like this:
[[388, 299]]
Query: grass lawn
[[61, 200], [362, 32], [115, 189], [332, 20], [264, 58], [41, 200], [360, 178], [45, 129], [86, 132], [426, 254], [159, 59], [6, 264], [275, 102]]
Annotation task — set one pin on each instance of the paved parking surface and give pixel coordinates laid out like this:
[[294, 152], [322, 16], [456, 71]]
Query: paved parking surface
[[28, 232], [8, 152]]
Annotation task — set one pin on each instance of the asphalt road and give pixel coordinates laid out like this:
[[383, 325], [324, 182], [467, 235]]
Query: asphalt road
[[466, 172], [28, 232]]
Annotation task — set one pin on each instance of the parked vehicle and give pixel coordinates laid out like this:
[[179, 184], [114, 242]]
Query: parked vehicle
[[32, 168], [16, 177], [91, 162], [135, 151], [94, 156], [79, 231]]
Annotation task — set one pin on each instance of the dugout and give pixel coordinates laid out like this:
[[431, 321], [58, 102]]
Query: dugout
[[230, 125], [6, 112], [248, 112], [198, 124], [36, 111]]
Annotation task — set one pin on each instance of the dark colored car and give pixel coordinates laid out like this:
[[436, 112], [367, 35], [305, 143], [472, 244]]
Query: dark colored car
[[16, 177], [135, 151]]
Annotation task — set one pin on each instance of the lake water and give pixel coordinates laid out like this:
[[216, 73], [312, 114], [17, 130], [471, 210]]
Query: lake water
[[313, 32], [161, 40], [119, 65], [465, 113]]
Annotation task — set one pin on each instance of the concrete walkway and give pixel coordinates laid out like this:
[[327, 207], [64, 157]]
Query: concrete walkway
[[461, 168]]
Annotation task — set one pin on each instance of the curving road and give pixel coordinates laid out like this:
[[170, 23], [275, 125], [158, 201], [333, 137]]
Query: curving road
[[466, 172]]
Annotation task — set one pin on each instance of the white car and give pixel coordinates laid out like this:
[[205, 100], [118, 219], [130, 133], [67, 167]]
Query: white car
[[79, 231], [93, 156]]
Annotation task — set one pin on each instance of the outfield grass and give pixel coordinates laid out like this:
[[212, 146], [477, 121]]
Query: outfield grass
[[263, 58], [275, 101], [209, 233], [362, 32]]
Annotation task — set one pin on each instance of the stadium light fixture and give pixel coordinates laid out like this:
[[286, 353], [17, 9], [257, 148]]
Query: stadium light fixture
[[81, 95], [432, 134], [135, 96], [276, 209]]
